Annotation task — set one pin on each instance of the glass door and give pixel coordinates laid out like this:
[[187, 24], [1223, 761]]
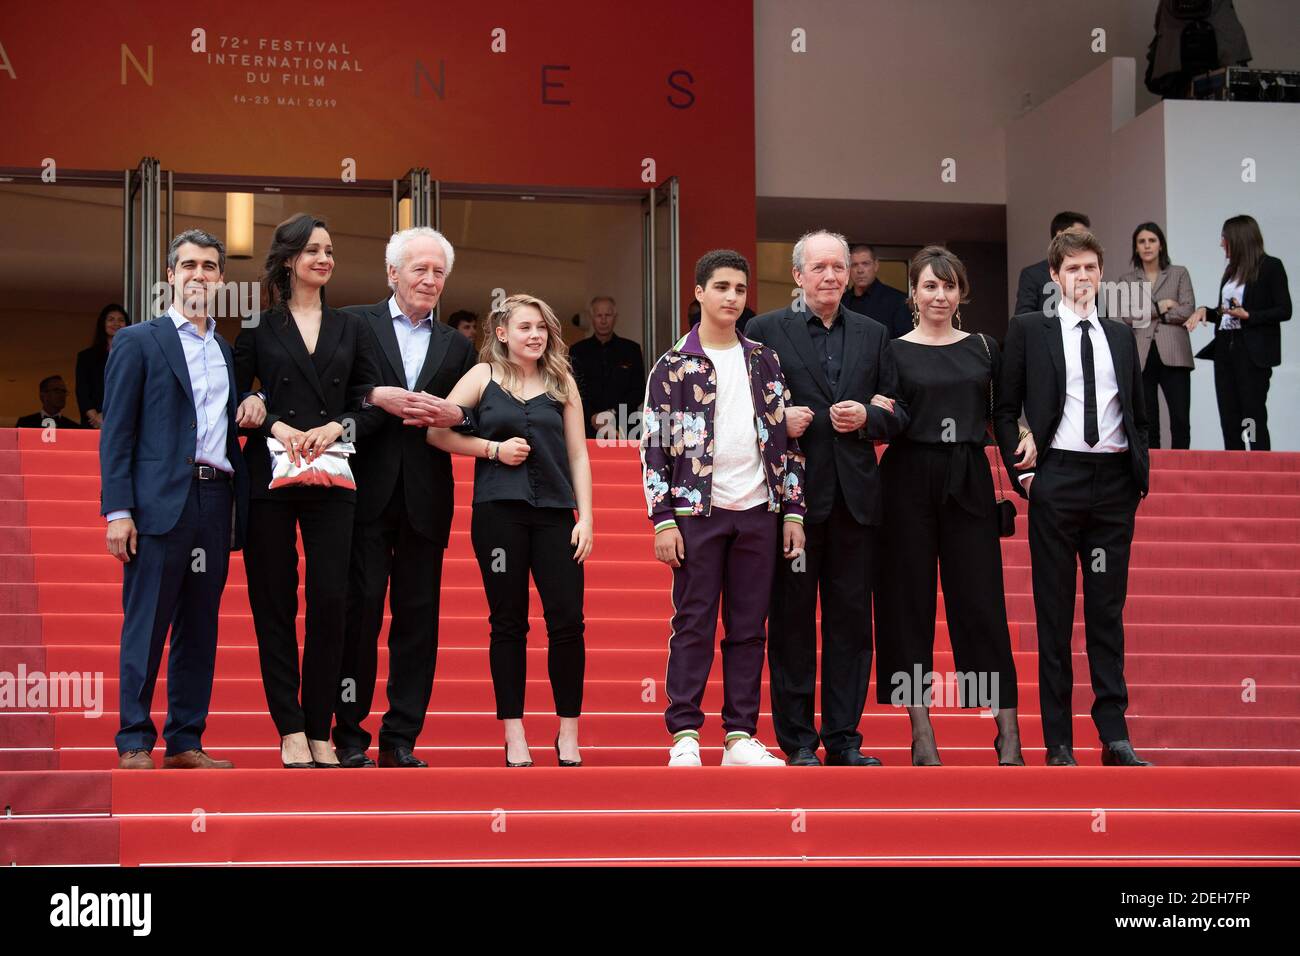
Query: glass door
[[661, 280], [142, 252], [415, 200]]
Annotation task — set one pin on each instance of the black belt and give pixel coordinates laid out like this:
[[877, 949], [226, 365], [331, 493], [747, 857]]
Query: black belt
[[209, 473]]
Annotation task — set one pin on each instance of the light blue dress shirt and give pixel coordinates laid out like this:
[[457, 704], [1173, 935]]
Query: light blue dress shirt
[[210, 382], [412, 340]]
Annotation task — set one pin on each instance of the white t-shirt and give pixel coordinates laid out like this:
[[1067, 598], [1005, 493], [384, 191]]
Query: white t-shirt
[[738, 479], [1231, 290]]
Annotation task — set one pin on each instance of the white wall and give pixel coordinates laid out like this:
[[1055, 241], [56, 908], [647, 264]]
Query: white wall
[[889, 88], [1179, 164], [1206, 144]]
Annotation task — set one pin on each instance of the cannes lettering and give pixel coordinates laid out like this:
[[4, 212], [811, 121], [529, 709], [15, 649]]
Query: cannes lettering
[[75, 909]]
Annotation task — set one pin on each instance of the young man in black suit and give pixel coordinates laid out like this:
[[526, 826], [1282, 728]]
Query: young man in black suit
[[1078, 378], [841, 377], [1035, 283], [404, 506]]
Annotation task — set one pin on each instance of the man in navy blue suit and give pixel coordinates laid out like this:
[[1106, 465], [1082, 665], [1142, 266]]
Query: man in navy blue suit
[[175, 493]]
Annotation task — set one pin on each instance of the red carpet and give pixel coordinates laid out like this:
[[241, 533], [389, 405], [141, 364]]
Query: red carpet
[[1213, 662]]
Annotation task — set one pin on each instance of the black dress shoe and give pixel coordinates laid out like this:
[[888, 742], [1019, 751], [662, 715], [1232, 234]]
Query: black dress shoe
[[400, 757], [352, 757], [1061, 755], [851, 758], [804, 757], [1119, 753]]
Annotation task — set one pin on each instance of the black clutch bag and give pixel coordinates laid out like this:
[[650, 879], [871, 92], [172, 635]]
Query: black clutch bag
[[1006, 507]]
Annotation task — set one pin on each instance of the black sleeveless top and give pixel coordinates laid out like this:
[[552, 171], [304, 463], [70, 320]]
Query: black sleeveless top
[[543, 479]]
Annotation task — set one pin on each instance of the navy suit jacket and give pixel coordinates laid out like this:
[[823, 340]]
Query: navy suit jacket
[[146, 445]]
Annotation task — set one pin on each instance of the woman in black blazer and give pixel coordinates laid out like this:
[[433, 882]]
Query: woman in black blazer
[[1253, 299], [91, 363], [315, 365]]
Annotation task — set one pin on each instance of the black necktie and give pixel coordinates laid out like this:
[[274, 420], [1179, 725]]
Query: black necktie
[[1090, 433]]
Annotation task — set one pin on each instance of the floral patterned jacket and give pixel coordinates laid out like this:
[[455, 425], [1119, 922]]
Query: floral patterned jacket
[[677, 433]]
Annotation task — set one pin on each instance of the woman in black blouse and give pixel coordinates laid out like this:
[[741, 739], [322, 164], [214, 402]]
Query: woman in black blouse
[[1254, 299], [939, 509], [532, 472], [91, 363], [315, 366]]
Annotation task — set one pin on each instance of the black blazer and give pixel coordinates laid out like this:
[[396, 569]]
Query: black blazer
[[1268, 300], [834, 459], [303, 390], [386, 448], [1029, 291], [90, 381], [1033, 377]]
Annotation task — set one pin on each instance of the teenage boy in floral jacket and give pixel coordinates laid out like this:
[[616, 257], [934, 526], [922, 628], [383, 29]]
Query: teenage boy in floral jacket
[[724, 488]]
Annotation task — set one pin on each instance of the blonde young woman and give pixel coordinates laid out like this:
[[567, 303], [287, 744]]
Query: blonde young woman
[[532, 473]]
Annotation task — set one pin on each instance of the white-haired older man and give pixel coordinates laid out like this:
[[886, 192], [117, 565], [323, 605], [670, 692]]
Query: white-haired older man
[[841, 380], [404, 503]]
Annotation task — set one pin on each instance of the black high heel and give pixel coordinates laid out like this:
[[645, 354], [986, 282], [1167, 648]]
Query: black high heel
[[563, 762], [997, 748], [297, 765], [525, 763]]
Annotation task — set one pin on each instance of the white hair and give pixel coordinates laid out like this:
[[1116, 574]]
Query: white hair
[[797, 257], [395, 254]]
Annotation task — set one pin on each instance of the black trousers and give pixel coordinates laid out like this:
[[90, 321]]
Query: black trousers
[[1241, 387], [271, 559], [512, 538], [926, 529], [1176, 383], [1081, 513], [385, 549], [839, 562]]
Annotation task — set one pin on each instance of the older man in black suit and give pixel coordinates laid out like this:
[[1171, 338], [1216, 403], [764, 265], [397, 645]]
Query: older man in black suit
[[1078, 378], [841, 377], [404, 509]]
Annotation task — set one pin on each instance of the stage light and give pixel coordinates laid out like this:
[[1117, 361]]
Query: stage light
[[239, 225]]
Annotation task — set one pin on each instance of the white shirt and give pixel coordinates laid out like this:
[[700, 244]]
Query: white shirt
[[412, 340], [1231, 290], [1110, 414], [738, 479]]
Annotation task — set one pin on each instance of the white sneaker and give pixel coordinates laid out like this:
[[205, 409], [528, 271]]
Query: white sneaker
[[749, 752], [685, 753]]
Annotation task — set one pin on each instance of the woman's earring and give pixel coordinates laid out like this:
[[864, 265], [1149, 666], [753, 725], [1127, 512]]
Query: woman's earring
[[916, 317], [956, 319]]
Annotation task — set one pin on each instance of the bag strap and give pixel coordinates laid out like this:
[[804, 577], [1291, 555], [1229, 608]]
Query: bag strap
[[998, 471]]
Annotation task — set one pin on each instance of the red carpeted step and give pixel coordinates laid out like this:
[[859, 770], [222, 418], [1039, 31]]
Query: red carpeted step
[[1190, 638], [59, 842], [77, 792], [955, 728], [793, 835], [490, 756], [391, 790], [31, 760]]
